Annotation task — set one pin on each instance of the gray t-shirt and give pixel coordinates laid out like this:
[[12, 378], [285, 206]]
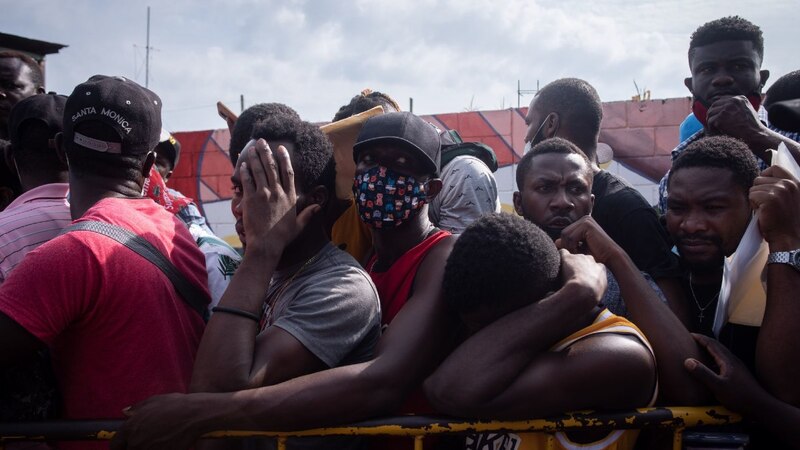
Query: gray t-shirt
[[331, 307]]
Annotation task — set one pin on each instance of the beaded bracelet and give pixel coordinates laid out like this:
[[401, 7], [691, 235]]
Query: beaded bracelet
[[236, 312]]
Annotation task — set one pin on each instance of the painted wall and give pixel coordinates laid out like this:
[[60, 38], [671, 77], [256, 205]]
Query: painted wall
[[641, 133]]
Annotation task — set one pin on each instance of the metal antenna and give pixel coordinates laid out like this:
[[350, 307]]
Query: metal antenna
[[147, 53], [521, 92]]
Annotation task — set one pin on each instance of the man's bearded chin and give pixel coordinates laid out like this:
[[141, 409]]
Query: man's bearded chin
[[709, 267]]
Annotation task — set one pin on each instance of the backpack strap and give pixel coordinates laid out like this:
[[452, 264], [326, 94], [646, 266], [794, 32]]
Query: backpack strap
[[190, 293], [453, 145], [476, 149]]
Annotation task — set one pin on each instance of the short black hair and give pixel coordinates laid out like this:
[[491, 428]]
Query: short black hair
[[365, 101], [786, 87], [520, 257], [37, 76], [312, 149], [578, 106], [35, 152], [722, 152], [553, 145], [171, 150], [731, 28], [247, 121]]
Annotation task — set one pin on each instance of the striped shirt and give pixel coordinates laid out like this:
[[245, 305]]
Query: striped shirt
[[34, 218], [662, 185]]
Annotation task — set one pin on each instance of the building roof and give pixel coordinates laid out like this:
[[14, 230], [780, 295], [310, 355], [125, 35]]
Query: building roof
[[34, 47]]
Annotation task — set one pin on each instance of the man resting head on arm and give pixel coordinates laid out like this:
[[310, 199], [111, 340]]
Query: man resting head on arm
[[533, 352]]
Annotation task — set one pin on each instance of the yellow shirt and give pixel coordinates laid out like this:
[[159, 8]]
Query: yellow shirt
[[350, 230], [606, 322]]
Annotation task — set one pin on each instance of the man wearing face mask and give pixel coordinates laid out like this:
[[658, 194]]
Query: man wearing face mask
[[397, 165], [725, 58], [397, 158]]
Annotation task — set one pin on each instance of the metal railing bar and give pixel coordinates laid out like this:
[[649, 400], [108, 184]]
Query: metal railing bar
[[662, 417]]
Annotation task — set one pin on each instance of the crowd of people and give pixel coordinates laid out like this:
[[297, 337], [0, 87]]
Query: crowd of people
[[409, 294]]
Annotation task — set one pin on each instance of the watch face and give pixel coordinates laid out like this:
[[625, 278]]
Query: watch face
[[796, 259]]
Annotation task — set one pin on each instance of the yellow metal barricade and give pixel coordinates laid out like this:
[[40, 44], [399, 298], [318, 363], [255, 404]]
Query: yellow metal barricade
[[414, 427]]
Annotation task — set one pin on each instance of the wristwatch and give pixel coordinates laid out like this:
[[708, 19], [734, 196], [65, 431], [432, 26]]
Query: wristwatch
[[791, 258]]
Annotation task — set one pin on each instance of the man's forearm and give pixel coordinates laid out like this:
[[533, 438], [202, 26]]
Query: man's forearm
[[778, 418], [770, 140], [781, 419], [484, 365], [285, 406], [225, 358], [670, 340], [777, 352]]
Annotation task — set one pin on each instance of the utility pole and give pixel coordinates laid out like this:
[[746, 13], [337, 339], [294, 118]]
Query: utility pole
[[147, 53], [411, 104], [521, 92], [241, 103]]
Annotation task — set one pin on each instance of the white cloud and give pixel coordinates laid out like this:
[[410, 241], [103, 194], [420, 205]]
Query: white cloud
[[446, 54]]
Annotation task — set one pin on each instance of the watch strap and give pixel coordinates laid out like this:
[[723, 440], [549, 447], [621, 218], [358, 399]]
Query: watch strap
[[791, 257], [779, 258]]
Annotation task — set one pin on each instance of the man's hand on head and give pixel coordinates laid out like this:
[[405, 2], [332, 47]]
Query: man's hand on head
[[269, 199], [585, 275], [776, 196], [585, 235]]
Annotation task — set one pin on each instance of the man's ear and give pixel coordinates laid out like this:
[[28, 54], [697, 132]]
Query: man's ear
[[592, 197], [688, 83], [552, 122], [40, 90], [518, 203], [318, 195], [60, 151], [433, 187], [149, 160], [764, 77]]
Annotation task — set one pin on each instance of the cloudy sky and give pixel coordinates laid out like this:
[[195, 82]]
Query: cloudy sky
[[448, 55]]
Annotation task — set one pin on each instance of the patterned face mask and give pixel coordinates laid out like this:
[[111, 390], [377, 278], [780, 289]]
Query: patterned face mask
[[385, 198]]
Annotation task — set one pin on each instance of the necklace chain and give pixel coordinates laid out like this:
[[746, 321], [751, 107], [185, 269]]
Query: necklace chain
[[694, 297], [271, 301]]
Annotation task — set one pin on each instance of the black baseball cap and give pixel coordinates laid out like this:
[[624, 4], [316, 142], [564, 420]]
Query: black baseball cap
[[169, 147], [406, 129], [785, 115], [46, 108], [133, 111]]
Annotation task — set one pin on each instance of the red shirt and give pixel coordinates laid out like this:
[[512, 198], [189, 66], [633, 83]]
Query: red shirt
[[394, 285], [117, 330], [394, 288]]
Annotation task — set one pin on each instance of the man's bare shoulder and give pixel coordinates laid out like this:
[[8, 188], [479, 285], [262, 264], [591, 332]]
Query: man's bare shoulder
[[615, 361], [431, 270]]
